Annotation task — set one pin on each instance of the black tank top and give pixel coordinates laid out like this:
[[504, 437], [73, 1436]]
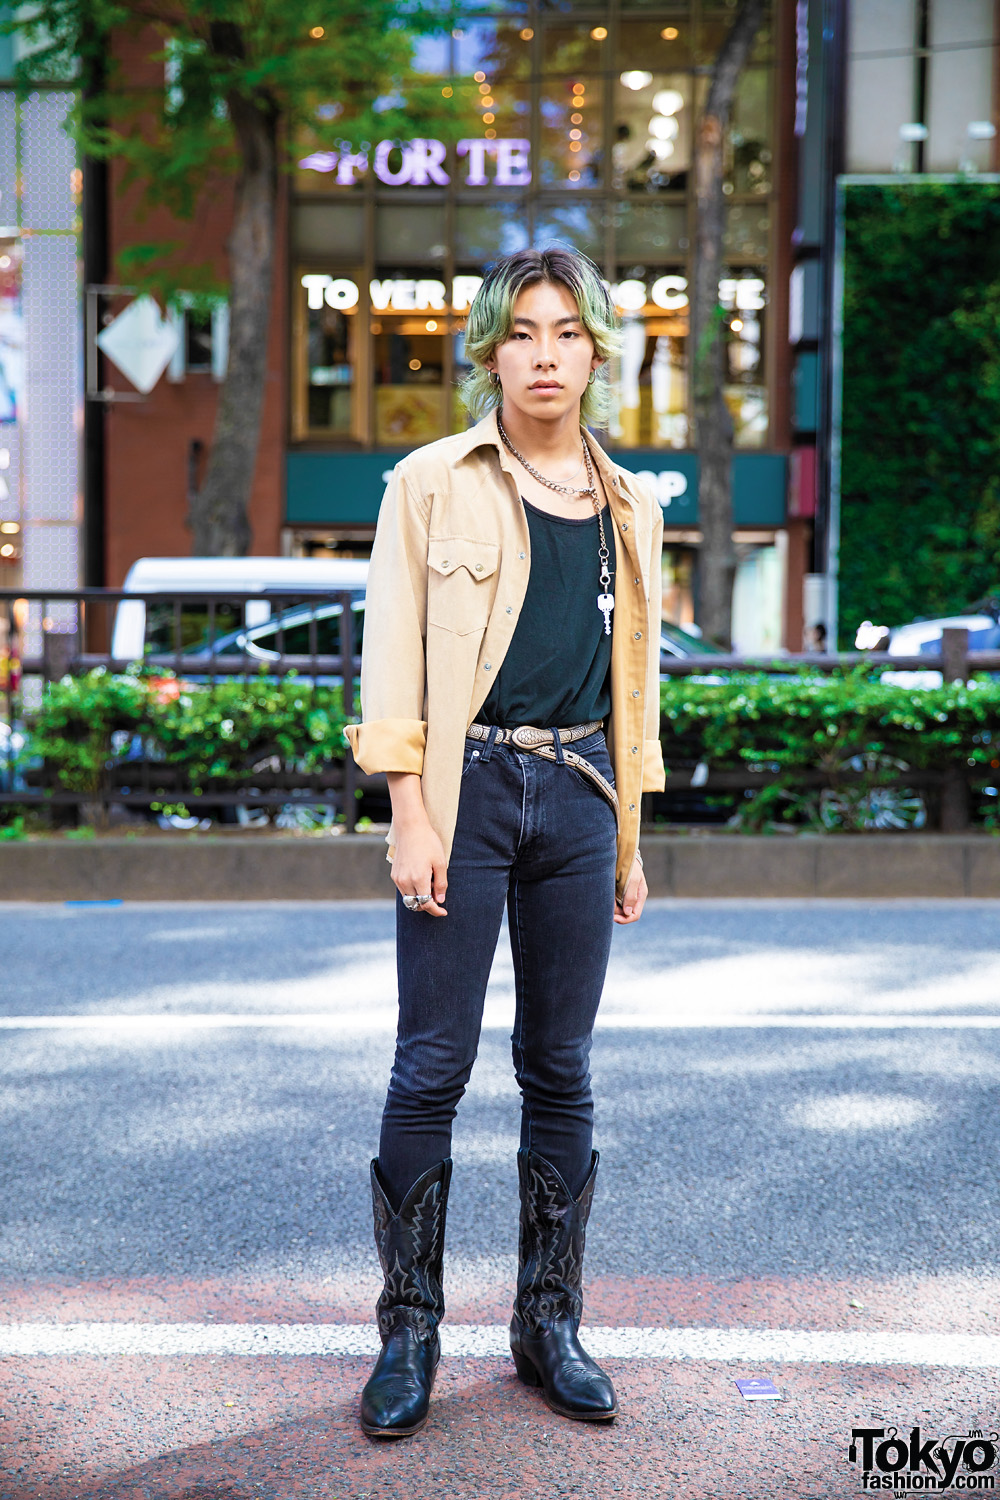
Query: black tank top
[[557, 668]]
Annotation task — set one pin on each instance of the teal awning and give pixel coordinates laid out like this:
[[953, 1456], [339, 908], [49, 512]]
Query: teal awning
[[337, 489]]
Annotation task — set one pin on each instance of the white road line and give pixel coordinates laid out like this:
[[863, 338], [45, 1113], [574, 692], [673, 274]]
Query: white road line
[[773, 1346], [358, 1023]]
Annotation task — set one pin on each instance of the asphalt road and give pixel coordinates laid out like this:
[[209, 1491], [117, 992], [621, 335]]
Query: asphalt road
[[798, 1126]]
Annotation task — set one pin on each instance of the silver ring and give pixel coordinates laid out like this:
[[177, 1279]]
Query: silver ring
[[411, 903], [423, 900]]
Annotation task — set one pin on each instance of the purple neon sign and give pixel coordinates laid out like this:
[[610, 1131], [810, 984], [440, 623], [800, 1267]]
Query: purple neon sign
[[422, 163]]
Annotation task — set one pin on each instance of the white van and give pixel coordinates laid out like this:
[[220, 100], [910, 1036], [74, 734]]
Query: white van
[[140, 628]]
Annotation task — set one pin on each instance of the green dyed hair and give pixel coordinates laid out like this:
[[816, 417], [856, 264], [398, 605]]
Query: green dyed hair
[[491, 319]]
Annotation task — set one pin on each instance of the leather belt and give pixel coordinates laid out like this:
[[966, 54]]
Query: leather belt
[[526, 736], [540, 742]]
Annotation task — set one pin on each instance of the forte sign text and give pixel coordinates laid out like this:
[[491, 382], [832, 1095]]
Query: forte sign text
[[421, 163]]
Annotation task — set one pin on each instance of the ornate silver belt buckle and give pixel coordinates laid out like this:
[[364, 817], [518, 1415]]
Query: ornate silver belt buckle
[[525, 736]]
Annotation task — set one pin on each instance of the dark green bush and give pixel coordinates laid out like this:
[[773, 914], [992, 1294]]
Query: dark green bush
[[852, 728], [920, 457], [217, 735]]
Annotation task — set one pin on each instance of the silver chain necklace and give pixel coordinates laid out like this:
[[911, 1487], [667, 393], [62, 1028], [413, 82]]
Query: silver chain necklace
[[605, 600]]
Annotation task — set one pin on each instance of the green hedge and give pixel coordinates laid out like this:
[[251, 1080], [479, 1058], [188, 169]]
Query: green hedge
[[854, 729], [857, 731], [217, 735]]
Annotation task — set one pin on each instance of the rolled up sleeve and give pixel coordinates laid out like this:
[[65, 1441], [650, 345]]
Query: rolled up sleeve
[[393, 729], [653, 774]]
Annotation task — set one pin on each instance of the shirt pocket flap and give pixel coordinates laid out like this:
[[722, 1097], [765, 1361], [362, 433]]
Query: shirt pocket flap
[[447, 554]]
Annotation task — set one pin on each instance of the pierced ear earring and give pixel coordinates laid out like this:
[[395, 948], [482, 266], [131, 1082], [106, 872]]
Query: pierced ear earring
[[591, 377], [494, 376]]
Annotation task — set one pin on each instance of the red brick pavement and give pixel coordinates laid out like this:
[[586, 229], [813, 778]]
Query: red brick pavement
[[261, 1428]]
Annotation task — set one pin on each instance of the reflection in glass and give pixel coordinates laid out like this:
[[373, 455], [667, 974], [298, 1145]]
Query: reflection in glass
[[328, 229], [653, 115], [577, 225], [678, 584], [407, 230], [743, 294], [650, 231], [432, 55], [483, 231], [491, 120], [330, 362], [649, 379], [748, 148], [713, 28], [408, 352], [496, 48], [659, 46], [572, 51], [571, 138], [746, 229]]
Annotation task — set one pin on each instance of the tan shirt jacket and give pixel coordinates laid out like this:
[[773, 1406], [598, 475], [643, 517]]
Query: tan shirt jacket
[[448, 575]]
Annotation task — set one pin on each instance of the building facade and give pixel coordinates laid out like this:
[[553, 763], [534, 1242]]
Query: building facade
[[539, 125], [570, 127], [577, 129], [41, 502]]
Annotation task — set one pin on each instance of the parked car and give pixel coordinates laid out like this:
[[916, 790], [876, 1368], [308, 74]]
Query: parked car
[[150, 630], [289, 633], [676, 642], [923, 638]]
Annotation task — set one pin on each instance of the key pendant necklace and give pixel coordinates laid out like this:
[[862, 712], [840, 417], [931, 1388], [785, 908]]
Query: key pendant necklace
[[605, 599]]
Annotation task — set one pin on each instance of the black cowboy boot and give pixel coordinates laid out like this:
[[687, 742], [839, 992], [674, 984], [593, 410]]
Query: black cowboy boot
[[410, 1245], [548, 1304]]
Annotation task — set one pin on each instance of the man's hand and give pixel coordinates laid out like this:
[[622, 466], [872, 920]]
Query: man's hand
[[629, 908], [419, 867]]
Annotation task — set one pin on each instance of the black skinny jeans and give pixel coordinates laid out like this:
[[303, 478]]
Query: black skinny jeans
[[539, 838]]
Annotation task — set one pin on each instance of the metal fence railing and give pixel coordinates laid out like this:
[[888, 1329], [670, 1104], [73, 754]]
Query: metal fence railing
[[207, 637], [202, 636], [948, 788]]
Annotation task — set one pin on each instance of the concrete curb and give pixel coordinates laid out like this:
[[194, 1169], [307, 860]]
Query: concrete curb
[[267, 868]]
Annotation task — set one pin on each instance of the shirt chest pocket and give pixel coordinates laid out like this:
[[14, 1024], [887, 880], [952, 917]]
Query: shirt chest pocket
[[461, 583]]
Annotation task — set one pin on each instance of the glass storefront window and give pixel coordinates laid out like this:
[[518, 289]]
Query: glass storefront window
[[746, 231], [713, 28], [653, 115], [650, 379], [604, 164], [329, 337], [408, 351], [483, 230], [409, 231], [748, 146], [498, 49], [497, 140], [743, 295], [325, 229], [576, 224], [570, 133], [651, 232]]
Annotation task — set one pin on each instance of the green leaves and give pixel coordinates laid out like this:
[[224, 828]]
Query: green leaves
[[161, 84], [88, 724], [845, 723], [920, 510]]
